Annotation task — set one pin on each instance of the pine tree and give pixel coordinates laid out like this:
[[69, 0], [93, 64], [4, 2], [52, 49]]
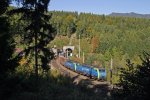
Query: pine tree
[[135, 80], [38, 31]]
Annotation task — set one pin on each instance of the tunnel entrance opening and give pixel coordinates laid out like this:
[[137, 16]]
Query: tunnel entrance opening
[[68, 52]]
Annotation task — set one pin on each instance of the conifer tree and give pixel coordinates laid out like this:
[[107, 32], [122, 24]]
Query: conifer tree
[[38, 31], [135, 80]]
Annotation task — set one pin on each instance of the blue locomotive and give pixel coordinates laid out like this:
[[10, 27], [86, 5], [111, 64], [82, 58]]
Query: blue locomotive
[[98, 73]]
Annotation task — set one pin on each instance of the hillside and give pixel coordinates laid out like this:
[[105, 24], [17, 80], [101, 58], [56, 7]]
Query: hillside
[[102, 37], [132, 14], [115, 52], [104, 34]]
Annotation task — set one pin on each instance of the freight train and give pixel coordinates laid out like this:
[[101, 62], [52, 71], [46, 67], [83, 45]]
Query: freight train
[[91, 72]]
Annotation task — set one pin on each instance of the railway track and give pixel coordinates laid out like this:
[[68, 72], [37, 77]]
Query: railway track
[[77, 78]]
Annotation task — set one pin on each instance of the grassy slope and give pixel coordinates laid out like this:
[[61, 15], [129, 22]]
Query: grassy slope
[[50, 87]]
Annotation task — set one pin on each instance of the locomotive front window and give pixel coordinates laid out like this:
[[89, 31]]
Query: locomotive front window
[[102, 70]]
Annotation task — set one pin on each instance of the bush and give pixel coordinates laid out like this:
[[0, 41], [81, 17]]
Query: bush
[[135, 80]]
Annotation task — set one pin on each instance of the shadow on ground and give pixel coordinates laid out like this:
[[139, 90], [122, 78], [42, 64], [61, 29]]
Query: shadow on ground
[[49, 87]]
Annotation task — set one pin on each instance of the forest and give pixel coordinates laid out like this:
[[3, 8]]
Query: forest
[[105, 33], [27, 33], [103, 37]]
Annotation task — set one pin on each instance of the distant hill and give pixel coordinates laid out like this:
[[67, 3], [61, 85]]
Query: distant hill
[[132, 14]]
